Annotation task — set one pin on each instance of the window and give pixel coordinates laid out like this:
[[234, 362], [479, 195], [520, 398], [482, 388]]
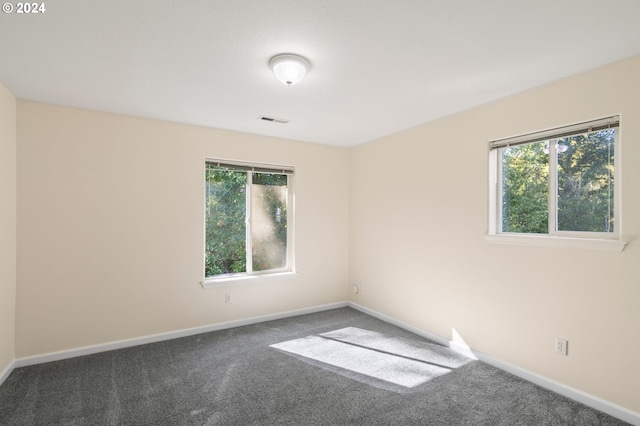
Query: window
[[558, 183], [248, 218]]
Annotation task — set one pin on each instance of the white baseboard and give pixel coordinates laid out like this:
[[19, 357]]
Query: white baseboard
[[575, 394], [88, 350], [6, 372], [589, 400], [397, 323], [562, 389]]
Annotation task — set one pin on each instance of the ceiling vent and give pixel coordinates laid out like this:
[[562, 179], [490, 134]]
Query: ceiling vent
[[274, 120]]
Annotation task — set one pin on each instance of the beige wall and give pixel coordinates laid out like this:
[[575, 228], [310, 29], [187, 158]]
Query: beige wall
[[110, 226], [418, 212], [7, 226]]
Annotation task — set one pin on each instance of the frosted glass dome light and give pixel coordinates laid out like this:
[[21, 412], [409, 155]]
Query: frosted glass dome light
[[289, 69]]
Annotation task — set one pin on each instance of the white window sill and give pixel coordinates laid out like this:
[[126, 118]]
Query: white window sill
[[555, 241], [243, 278]]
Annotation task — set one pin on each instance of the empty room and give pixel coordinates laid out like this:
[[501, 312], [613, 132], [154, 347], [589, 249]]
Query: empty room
[[320, 213]]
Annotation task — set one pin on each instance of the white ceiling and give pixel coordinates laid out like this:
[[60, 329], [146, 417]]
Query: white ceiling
[[378, 66]]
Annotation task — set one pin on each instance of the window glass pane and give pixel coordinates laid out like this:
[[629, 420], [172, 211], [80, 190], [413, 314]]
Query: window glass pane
[[585, 182], [225, 250], [525, 190], [269, 221]]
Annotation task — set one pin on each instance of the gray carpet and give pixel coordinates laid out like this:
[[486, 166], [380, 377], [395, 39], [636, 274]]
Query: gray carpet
[[378, 359], [262, 375]]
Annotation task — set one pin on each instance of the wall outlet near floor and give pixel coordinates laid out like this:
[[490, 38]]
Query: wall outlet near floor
[[357, 287], [227, 298], [561, 346]]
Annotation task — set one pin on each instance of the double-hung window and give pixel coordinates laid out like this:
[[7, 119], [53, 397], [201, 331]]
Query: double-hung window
[[248, 220], [557, 183]]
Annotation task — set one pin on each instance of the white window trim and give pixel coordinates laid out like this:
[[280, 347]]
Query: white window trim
[[556, 241], [564, 239], [244, 278], [280, 273]]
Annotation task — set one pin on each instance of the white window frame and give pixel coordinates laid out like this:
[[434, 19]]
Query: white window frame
[[607, 241], [289, 269]]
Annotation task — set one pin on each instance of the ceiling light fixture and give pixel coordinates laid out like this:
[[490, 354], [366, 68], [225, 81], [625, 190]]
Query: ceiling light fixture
[[288, 68]]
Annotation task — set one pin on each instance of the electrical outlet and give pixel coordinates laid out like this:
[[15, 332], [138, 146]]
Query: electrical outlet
[[561, 346], [227, 298], [357, 287]]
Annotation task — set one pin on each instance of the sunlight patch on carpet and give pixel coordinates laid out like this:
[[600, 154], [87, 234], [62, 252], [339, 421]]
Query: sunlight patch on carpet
[[403, 362]]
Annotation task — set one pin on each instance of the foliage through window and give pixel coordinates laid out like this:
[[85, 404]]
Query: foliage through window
[[247, 220], [559, 182]]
